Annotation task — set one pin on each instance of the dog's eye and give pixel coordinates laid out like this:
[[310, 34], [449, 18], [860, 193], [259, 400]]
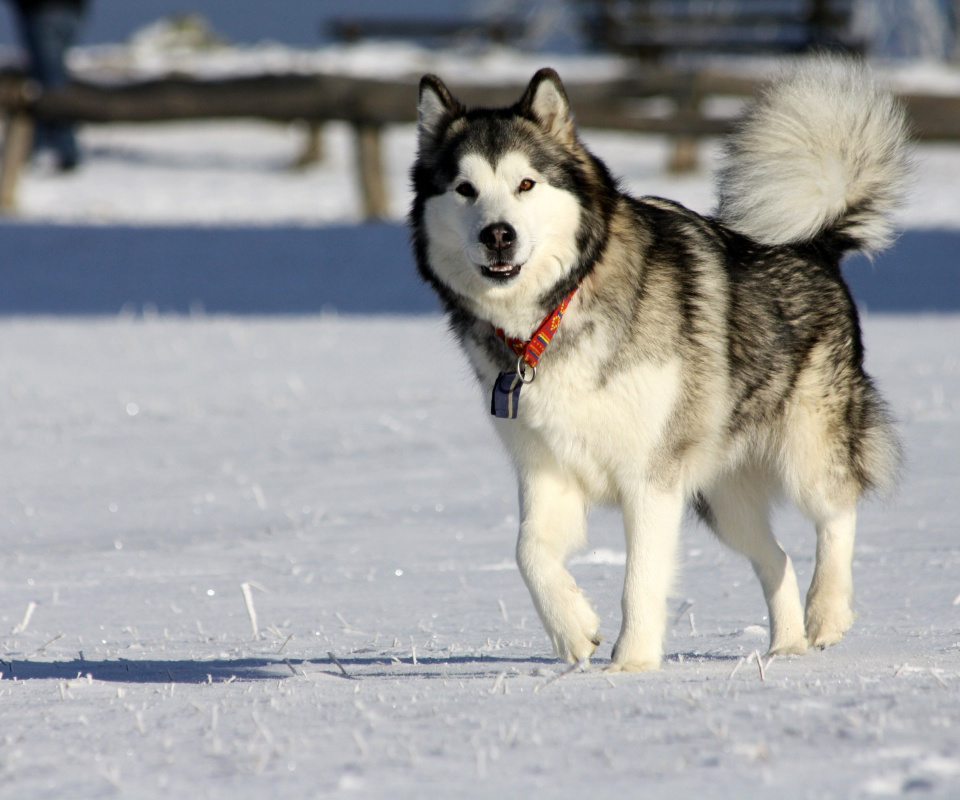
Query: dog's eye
[[466, 189], [526, 185]]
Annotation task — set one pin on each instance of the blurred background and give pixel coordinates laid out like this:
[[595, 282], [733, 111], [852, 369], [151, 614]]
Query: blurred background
[[904, 28], [296, 22], [241, 156]]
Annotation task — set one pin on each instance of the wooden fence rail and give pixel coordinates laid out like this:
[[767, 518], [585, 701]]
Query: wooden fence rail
[[369, 105]]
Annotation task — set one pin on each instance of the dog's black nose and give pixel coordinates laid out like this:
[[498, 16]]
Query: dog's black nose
[[499, 236]]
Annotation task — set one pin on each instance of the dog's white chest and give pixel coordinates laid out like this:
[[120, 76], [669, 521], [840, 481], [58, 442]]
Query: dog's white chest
[[599, 428]]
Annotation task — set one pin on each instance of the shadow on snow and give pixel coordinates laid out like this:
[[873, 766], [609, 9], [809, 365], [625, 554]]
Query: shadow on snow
[[368, 269], [252, 669], [260, 669]]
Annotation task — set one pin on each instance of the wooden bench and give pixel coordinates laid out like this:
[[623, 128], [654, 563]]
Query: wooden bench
[[655, 30], [370, 105], [679, 31], [366, 105], [431, 32]]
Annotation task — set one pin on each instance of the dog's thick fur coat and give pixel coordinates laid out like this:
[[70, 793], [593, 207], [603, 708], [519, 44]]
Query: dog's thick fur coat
[[712, 362]]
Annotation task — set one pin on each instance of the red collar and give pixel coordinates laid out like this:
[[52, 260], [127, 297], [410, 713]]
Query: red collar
[[531, 351]]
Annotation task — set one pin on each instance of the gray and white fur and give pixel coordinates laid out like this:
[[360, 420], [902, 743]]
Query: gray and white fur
[[704, 362]]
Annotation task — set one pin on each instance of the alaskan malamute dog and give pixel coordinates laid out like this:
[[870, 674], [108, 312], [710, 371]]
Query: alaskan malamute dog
[[711, 362]]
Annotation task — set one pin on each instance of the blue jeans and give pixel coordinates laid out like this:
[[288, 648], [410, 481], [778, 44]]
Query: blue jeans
[[48, 30]]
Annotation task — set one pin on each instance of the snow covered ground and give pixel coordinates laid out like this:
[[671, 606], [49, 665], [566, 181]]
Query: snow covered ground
[[342, 468], [255, 555]]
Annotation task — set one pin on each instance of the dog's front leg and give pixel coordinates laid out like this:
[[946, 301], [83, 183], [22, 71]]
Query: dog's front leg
[[652, 517], [553, 525]]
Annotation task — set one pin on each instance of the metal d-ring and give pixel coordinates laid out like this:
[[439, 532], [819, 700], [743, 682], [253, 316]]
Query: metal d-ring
[[521, 365]]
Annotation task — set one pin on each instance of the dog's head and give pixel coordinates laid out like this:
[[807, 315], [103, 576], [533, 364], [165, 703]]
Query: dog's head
[[500, 211]]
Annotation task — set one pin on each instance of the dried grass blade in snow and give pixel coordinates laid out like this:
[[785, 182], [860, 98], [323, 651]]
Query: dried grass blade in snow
[[340, 666], [769, 662], [348, 627], [251, 611], [31, 607], [571, 669], [937, 678], [42, 647], [756, 654], [684, 608], [259, 497], [740, 662]]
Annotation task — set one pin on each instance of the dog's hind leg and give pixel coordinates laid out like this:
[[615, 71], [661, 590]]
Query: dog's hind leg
[[554, 526], [829, 615], [738, 511], [829, 423], [652, 519]]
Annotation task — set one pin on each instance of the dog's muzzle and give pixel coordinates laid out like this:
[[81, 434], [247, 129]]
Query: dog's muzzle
[[498, 240]]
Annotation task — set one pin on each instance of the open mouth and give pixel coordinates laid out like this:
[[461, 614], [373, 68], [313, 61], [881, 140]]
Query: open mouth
[[500, 271]]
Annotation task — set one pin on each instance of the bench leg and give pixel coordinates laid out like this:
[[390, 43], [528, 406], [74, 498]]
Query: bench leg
[[14, 154], [684, 155], [370, 169], [313, 151]]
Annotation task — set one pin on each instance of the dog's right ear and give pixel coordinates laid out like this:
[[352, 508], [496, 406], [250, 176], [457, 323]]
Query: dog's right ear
[[435, 108]]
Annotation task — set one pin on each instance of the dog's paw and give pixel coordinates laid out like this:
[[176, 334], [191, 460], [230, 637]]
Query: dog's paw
[[826, 626], [633, 659], [573, 626], [788, 641], [633, 666], [578, 644], [792, 648], [572, 652]]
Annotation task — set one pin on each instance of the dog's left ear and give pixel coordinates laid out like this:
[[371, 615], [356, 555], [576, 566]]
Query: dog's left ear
[[546, 101]]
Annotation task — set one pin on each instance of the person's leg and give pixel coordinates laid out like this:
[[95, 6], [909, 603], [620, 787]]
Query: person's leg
[[48, 31]]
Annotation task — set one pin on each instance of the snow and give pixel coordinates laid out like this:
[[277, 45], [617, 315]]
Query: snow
[[155, 56], [342, 468], [175, 481]]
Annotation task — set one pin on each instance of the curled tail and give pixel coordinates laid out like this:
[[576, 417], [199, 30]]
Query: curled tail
[[823, 153]]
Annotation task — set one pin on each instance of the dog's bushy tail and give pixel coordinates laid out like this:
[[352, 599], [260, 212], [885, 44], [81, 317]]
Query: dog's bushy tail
[[822, 153]]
